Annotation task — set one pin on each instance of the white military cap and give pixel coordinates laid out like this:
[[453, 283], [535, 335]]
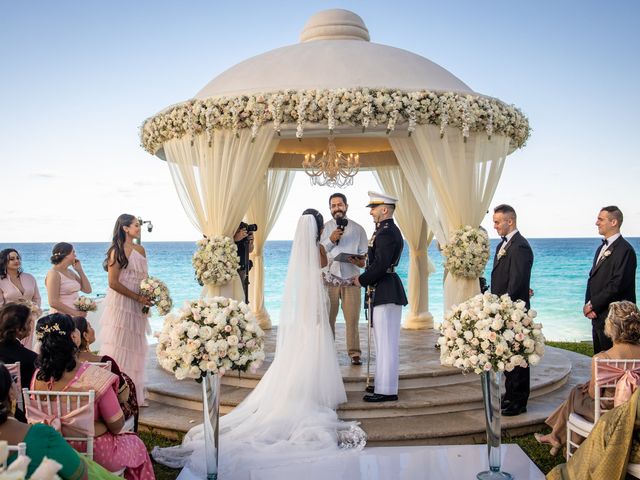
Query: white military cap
[[376, 198]]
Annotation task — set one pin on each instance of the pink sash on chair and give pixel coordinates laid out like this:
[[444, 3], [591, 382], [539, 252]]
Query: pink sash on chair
[[76, 423], [626, 381]]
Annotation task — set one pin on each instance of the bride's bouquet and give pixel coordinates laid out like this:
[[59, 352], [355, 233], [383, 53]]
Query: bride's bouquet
[[467, 252], [85, 304], [158, 293], [488, 332], [216, 261], [210, 335]]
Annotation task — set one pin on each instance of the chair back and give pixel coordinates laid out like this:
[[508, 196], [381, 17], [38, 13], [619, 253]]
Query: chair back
[[21, 448], [616, 379], [70, 413], [14, 371]]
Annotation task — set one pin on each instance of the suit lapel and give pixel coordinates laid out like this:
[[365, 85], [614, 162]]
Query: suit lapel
[[506, 247], [603, 258]]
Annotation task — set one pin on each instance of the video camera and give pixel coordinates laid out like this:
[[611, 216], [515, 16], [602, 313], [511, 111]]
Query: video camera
[[249, 227]]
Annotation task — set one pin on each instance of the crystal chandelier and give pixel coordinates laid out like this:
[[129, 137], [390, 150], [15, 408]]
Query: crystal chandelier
[[333, 168]]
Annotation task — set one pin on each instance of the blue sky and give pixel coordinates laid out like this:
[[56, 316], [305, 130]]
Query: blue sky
[[78, 79]]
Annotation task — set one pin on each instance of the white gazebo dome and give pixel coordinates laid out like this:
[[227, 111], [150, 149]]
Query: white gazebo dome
[[334, 52]]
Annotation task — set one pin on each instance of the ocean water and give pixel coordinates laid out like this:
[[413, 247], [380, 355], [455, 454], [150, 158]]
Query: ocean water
[[558, 279]]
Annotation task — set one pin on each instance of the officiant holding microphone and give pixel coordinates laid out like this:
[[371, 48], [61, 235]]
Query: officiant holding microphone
[[343, 238], [386, 294]]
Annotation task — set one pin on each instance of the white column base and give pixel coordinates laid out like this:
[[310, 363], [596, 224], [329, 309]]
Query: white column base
[[422, 321]]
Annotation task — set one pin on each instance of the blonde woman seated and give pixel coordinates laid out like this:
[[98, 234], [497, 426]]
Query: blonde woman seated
[[58, 370], [623, 327]]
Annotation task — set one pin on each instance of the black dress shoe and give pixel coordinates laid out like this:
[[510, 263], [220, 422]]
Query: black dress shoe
[[355, 360], [513, 409], [505, 403], [378, 397], [370, 389]]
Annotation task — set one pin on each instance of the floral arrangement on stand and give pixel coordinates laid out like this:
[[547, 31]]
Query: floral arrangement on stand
[[158, 293], [364, 107], [467, 252], [216, 260], [488, 332], [210, 335], [85, 304]]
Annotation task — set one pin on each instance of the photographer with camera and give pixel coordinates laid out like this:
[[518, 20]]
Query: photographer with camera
[[243, 239], [344, 236]]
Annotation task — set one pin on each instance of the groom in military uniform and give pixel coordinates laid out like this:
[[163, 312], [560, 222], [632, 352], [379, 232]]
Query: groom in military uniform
[[386, 294]]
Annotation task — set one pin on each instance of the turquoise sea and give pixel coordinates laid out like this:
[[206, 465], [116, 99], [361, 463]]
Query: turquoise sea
[[559, 276]]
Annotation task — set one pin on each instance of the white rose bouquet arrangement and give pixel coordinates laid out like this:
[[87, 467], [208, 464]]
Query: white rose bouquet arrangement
[[467, 252], [85, 304], [210, 335], [216, 261], [488, 332], [158, 293]]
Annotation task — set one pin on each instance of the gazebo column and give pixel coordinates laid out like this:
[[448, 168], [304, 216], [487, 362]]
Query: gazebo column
[[419, 316]]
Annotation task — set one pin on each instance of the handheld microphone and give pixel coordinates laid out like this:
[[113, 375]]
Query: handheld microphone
[[341, 223]]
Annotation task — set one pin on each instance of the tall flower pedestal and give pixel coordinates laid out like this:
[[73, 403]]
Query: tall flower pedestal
[[211, 410], [491, 400]]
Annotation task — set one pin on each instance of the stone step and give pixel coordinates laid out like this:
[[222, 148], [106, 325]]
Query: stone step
[[436, 405]]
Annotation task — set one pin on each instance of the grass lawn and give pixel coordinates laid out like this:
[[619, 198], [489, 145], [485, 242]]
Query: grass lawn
[[538, 453]]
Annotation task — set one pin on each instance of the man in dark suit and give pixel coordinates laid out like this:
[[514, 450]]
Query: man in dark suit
[[612, 277], [511, 274], [389, 297]]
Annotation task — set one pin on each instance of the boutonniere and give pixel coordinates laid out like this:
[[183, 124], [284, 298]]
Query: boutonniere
[[502, 253], [606, 253]]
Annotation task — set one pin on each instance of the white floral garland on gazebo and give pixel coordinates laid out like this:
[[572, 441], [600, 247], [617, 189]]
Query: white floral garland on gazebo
[[364, 107]]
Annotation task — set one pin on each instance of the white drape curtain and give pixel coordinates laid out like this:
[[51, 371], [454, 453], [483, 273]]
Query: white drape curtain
[[265, 207], [415, 230], [460, 179], [215, 180]]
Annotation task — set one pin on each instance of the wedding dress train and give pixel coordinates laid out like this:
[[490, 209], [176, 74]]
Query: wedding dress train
[[290, 415]]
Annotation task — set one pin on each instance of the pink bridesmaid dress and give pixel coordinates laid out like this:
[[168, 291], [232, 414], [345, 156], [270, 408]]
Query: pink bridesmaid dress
[[10, 293], [69, 289], [124, 327]]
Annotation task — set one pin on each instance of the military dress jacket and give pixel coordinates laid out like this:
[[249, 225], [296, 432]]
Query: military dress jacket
[[384, 254]]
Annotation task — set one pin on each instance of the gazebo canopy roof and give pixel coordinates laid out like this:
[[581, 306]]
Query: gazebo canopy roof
[[335, 79], [334, 52]]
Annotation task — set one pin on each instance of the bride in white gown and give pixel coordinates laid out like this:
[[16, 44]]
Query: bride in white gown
[[290, 415]]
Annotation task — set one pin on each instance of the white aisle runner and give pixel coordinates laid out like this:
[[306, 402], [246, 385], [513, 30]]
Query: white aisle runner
[[458, 462]]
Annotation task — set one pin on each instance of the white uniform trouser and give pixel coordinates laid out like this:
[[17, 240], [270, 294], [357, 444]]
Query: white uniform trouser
[[386, 334]]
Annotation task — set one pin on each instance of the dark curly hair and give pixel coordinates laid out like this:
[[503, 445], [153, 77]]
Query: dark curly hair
[[13, 318], [6, 383], [4, 260], [57, 349], [319, 220], [60, 250], [117, 242]]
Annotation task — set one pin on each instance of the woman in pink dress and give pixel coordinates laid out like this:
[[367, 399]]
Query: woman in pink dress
[[124, 325], [18, 286], [65, 279], [59, 371]]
